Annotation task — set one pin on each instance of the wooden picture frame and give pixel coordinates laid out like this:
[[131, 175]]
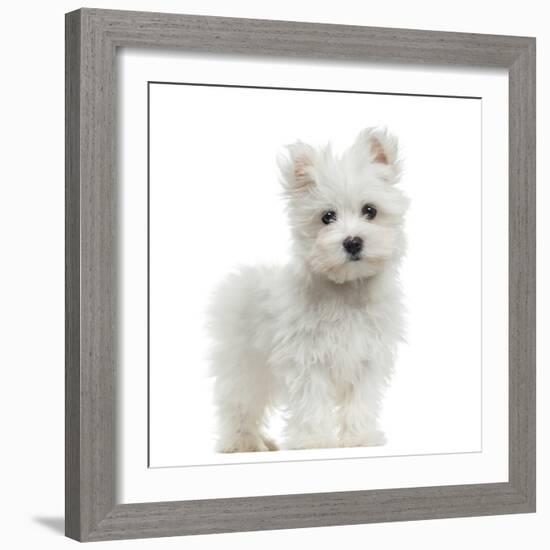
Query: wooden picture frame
[[92, 38]]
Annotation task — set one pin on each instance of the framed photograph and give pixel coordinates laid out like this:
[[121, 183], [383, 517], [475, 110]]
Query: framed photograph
[[300, 274]]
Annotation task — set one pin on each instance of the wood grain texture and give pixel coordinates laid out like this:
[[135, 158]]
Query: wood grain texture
[[92, 37], [91, 258], [313, 40], [72, 276], [522, 274]]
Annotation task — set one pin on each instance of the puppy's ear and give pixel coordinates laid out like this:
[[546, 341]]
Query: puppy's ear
[[380, 147], [297, 166]]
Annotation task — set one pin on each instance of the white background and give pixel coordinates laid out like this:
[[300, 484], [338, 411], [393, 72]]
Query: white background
[[215, 204], [32, 300]]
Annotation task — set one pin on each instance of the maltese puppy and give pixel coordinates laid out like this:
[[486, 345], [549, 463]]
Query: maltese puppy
[[317, 337]]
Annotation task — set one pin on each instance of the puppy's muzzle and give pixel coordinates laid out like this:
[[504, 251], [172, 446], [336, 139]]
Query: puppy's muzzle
[[353, 246]]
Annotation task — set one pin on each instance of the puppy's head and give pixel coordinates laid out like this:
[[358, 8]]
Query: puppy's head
[[345, 212]]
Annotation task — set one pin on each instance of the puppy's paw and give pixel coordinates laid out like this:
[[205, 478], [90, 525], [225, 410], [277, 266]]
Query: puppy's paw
[[371, 438], [270, 444], [246, 443]]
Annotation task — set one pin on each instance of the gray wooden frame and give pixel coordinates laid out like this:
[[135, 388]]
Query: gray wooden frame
[[92, 38]]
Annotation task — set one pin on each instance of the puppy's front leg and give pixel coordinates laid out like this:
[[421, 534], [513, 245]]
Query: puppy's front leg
[[310, 421], [359, 409]]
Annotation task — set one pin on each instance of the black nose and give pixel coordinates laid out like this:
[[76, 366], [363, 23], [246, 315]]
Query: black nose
[[353, 245]]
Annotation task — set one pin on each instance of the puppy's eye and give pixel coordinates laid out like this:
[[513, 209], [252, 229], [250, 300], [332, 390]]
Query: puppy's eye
[[369, 211], [328, 217]]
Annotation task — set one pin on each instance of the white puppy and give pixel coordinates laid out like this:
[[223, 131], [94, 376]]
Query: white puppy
[[317, 336]]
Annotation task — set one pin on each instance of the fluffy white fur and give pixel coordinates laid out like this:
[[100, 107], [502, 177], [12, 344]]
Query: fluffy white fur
[[317, 336]]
